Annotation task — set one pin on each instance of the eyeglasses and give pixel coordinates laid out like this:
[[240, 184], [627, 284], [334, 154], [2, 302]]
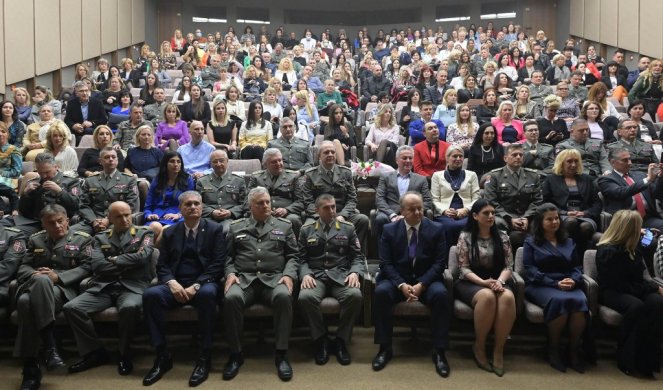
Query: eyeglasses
[[630, 127]]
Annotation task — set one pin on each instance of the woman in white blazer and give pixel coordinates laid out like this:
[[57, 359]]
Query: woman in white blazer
[[454, 191]]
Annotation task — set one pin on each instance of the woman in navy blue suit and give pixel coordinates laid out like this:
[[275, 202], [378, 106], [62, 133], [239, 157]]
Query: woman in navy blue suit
[[553, 274]]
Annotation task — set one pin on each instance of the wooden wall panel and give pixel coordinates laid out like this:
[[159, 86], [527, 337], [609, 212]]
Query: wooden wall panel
[[108, 26], [47, 36], [124, 23], [577, 17], [19, 40], [651, 29], [2, 49], [592, 17], [628, 35], [70, 32], [138, 22], [91, 22], [609, 26]]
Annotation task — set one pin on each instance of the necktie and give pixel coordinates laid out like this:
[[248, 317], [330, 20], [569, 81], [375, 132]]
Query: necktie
[[412, 247], [639, 202], [326, 230], [190, 239], [433, 153]]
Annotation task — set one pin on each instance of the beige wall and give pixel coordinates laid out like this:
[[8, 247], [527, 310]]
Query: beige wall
[[39, 37], [634, 25]]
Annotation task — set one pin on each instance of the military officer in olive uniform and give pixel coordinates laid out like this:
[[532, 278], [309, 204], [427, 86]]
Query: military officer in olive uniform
[[594, 156], [516, 193], [121, 262], [282, 187], [56, 261], [336, 180], [642, 153], [261, 266], [12, 250], [102, 189], [295, 151], [537, 155], [223, 192], [331, 263], [50, 187]]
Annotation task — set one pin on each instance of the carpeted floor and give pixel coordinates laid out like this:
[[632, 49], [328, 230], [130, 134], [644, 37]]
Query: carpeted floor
[[411, 367]]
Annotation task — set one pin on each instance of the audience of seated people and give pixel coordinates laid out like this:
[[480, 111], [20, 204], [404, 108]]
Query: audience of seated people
[[524, 143]]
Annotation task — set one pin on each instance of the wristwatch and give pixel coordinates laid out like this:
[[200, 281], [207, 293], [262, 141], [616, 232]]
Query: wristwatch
[[196, 286], [502, 282]]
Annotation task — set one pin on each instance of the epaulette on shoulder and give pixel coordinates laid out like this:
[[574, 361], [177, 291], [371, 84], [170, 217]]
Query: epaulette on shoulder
[[80, 233], [309, 223], [311, 169], [531, 170], [612, 143], [126, 174], [292, 171], [238, 175], [284, 220], [346, 223], [258, 173], [237, 220], [13, 229], [38, 233], [344, 167], [497, 169], [70, 175]]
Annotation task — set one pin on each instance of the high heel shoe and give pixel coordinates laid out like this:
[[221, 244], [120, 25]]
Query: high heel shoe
[[484, 366], [499, 371]]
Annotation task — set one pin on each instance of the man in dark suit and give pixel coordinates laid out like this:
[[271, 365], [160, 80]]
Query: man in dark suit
[[394, 185], [412, 259], [430, 155], [626, 189], [84, 114], [435, 93], [190, 263], [121, 262]]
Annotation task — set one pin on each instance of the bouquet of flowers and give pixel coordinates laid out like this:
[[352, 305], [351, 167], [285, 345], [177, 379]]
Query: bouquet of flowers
[[364, 169]]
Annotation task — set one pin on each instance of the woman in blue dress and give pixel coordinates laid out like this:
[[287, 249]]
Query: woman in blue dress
[[162, 204], [553, 274]]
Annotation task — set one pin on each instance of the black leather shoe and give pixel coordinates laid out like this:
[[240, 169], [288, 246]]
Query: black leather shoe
[[91, 360], [342, 354], [53, 359], [31, 378], [231, 369], [283, 368], [441, 364], [321, 350], [162, 364], [381, 359], [125, 366], [200, 372]]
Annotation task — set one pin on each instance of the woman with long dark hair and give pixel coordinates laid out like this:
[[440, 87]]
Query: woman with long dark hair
[[197, 108], [255, 133], [485, 261], [340, 132], [553, 273], [162, 204], [486, 153]]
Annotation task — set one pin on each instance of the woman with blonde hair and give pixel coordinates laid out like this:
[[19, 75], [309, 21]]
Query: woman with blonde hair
[[82, 70], [22, 104], [34, 140], [552, 129], [166, 57], [221, 130], [524, 107], [57, 143], [446, 110], [625, 288], [307, 113], [461, 132], [89, 164], [254, 134], [383, 136], [128, 74], [649, 87], [509, 130]]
